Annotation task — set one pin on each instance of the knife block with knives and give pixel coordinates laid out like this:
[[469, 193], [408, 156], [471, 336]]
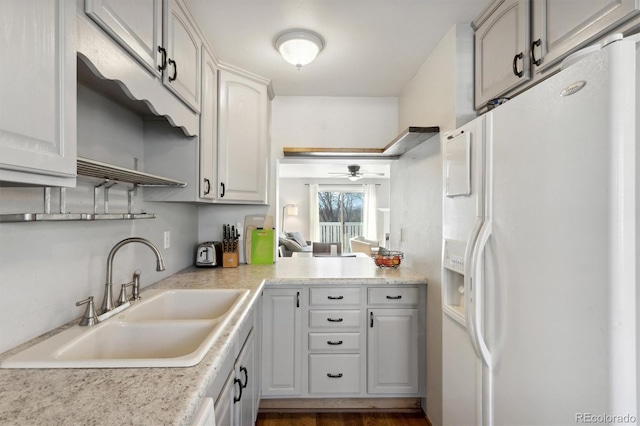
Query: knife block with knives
[[230, 237]]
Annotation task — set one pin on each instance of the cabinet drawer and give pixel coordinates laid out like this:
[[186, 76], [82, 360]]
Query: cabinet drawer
[[334, 319], [334, 296], [393, 296], [334, 342], [334, 374]]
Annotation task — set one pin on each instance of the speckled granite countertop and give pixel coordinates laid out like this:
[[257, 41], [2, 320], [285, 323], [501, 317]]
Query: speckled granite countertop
[[166, 396]]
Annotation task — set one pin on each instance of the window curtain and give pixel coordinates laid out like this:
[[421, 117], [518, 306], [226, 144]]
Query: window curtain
[[314, 213], [369, 212]]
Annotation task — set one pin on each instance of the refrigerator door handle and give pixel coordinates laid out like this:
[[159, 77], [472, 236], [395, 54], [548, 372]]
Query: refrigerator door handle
[[478, 280], [468, 284]]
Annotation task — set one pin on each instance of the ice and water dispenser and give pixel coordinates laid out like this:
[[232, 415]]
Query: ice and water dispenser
[[453, 303]]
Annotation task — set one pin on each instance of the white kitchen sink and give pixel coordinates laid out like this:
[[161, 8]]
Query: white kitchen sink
[[166, 328], [183, 305]]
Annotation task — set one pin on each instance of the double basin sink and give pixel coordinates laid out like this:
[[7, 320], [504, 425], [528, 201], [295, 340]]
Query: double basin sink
[[166, 328]]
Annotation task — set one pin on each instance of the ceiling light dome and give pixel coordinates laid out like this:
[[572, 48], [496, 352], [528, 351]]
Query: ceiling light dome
[[299, 47]]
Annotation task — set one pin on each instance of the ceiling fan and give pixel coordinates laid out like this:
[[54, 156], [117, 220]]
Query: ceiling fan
[[355, 173]]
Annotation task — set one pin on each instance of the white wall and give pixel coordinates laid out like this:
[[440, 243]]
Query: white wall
[[440, 94], [46, 267], [332, 122]]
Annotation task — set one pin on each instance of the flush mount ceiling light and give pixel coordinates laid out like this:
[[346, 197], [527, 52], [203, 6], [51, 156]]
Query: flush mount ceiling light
[[299, 47]]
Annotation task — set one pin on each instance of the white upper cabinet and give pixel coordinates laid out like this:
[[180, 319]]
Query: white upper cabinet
[[136, 25], [38, 91], [502, 47], [208, 127], [182, 71], [243, 138], [159, 35], [560, 27], [521, 42]]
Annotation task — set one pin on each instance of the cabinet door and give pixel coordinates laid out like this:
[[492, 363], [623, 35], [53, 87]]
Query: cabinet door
[[392, 351], [182, 73], [208, 127], [38, 90], [281, 342], [242, 140], [501, 50], [223, 409], [245, 371], [561, 27], [135, 25]]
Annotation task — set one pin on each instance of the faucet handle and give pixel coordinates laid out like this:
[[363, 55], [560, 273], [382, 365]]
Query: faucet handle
[[136, 285], [89, 317], [122, 298]]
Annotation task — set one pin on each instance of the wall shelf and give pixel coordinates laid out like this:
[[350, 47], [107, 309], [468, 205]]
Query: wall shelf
[[110, 172], [108, 175], [404, 142]]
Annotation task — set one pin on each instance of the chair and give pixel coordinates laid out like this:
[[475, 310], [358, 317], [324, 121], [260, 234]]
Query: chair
[[291, 242], [325, 248], [360, 244]]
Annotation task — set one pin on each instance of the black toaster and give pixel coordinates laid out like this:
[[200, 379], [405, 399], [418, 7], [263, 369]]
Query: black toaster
[[209, 254]]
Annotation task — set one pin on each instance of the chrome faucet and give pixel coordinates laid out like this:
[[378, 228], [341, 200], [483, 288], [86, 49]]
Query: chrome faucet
[[107, 302]]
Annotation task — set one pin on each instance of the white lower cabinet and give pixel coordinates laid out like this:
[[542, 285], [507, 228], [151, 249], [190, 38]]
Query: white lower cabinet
[[244, 401], [236, 389], [332, 341], [392, 349], [223, 408], [281, 342]]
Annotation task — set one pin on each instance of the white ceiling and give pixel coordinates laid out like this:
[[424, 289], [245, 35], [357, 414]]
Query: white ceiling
[[372, 47]]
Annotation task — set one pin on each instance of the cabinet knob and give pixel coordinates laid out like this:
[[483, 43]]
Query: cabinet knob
[[222, 188], [335, 319], [208, 183], [334, 376], [335, 297]]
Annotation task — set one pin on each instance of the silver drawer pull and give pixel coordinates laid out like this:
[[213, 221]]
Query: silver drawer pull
[[334, 376], [339, 342], [394, 297], [335, 297], [334, 319]]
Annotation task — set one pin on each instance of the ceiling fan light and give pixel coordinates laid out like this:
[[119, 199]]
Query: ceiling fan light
[[354, 178], [299, 47]]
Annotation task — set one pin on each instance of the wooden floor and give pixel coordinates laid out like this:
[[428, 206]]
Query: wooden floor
[[338, 419]]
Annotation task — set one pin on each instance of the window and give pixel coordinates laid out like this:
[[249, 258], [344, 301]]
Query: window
[[340, 215]]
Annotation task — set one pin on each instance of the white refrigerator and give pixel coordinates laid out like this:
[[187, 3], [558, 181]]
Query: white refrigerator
[[540, 252]]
